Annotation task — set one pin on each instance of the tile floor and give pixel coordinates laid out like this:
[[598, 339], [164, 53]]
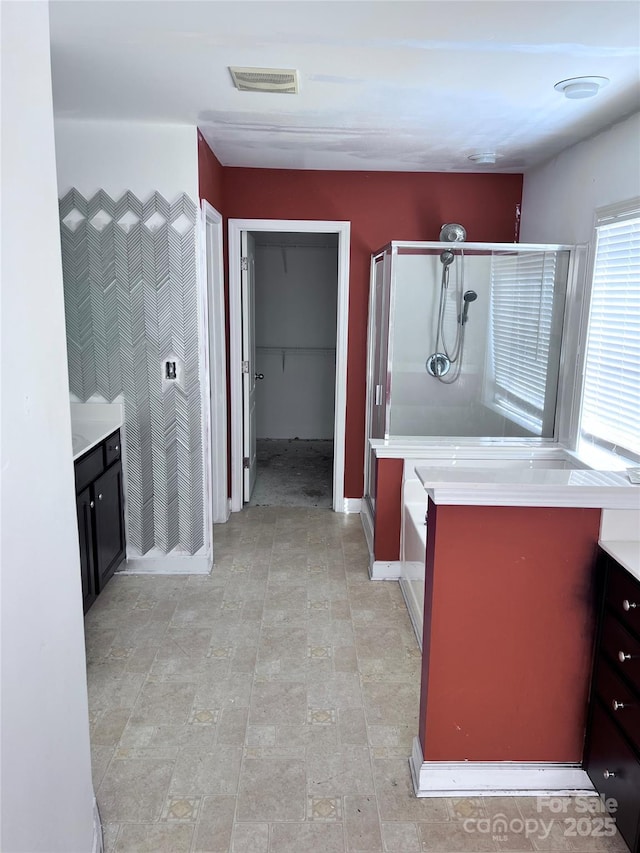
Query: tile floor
[[270, 707]]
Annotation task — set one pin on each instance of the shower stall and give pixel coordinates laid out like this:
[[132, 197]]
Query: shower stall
[[464, 343]]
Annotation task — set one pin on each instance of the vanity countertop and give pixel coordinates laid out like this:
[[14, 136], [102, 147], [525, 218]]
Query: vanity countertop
[[91, 423], [523, 486], [627, 553]]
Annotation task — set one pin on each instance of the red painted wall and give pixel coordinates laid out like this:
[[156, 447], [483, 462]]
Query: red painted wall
[[509, 626], [386, 533], [381, 206], [209, 175]]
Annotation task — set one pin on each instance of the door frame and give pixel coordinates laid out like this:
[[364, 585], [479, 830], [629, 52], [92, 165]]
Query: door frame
[[343, 230], [213, 368]]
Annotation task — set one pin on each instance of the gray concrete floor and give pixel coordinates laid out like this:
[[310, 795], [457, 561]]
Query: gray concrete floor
[[294, 472]]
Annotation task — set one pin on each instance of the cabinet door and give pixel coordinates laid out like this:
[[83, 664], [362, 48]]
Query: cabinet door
[[85, 533], [107, 491]]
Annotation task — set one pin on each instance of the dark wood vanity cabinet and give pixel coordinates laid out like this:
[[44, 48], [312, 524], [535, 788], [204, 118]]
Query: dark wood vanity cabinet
[[612, 753], [100, 505]]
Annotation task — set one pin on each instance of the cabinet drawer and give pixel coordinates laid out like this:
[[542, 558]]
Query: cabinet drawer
[[89, 467], [112, 449], [610, 754], [623, 592], [621, 701], [616, 643]]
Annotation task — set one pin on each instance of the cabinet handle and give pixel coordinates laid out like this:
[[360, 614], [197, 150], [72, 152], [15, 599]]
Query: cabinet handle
[[609, 774], [91, 504], [622, 657], [617, 706], [100, 497], [628, 605], [117, 447]]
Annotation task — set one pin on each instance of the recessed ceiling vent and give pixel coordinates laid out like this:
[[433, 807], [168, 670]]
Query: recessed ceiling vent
[[284, 80]]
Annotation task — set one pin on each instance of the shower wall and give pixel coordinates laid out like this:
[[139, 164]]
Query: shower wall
[[420, 404]]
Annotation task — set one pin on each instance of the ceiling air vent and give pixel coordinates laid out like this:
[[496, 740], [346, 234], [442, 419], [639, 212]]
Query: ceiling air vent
[[283, 80]]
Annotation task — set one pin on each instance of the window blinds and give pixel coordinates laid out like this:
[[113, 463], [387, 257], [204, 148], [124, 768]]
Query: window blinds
[[611, 393], [522, 297]]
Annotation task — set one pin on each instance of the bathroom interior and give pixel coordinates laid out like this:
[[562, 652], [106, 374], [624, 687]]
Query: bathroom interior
[[462, 395]]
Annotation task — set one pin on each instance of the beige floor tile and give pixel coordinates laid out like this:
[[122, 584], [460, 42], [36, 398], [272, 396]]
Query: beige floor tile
[[164, 702], [396, 800], [250, 838], [155, 838], [313, 836], [134, 789], [362, 824], [108, 728], [389, 704], [215, 825], [452, 838], [207, 774], [100, 758], [341, 691], [400, 837], [232, 726], [339, 773], [110, 836], [352, 727], [278, 703], [272, 789]]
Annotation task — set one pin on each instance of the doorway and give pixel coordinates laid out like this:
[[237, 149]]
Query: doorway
[[288, 286]]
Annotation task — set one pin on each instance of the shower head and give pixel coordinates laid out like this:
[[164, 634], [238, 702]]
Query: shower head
[[452, 233], [446, 258], [467, 297]]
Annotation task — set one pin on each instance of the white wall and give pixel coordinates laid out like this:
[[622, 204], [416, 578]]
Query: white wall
[[47, 797], [296, 304], [559, 203], [559, 198], [118, 155]]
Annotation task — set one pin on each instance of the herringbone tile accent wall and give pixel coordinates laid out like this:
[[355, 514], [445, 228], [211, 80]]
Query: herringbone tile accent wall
[[131, 301]]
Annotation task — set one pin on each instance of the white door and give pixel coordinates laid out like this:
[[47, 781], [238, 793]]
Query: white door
[[248, 364]]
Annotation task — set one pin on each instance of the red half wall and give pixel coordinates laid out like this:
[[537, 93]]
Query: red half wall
[[381, 206]]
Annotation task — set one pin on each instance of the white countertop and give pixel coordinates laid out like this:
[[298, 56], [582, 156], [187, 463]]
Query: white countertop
[[626, 553], [526, 486], [91, 423]]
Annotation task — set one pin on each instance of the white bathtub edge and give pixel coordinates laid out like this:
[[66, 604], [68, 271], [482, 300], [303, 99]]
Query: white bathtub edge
[[496, 778]]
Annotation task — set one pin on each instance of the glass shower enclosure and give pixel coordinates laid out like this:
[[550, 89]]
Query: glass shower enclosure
[[465, 341]]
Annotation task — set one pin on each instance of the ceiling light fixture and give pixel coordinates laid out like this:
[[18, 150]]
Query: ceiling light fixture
[[485, 158], [581, 87]]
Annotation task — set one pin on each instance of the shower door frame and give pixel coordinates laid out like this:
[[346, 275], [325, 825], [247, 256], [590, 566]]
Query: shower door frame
[[564, 392]]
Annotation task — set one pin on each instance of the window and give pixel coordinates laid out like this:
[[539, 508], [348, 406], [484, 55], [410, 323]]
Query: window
[[610, 417], [526, 316]]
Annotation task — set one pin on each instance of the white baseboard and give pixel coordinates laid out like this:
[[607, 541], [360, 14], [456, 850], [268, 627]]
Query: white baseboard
[[352, 505], [381, 570], [496, 778], [367, 525], [413, 609], [200, 564], [98, 845]]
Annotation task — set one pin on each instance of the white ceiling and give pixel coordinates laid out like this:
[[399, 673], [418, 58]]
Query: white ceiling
[[400, 86]]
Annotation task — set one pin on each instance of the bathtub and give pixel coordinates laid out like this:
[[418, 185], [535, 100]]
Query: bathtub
[[413, 531]]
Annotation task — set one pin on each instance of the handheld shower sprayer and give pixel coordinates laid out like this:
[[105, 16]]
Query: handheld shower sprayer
[[468, 296]]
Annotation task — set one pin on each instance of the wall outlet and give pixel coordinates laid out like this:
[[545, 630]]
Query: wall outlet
[[172, 371]]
